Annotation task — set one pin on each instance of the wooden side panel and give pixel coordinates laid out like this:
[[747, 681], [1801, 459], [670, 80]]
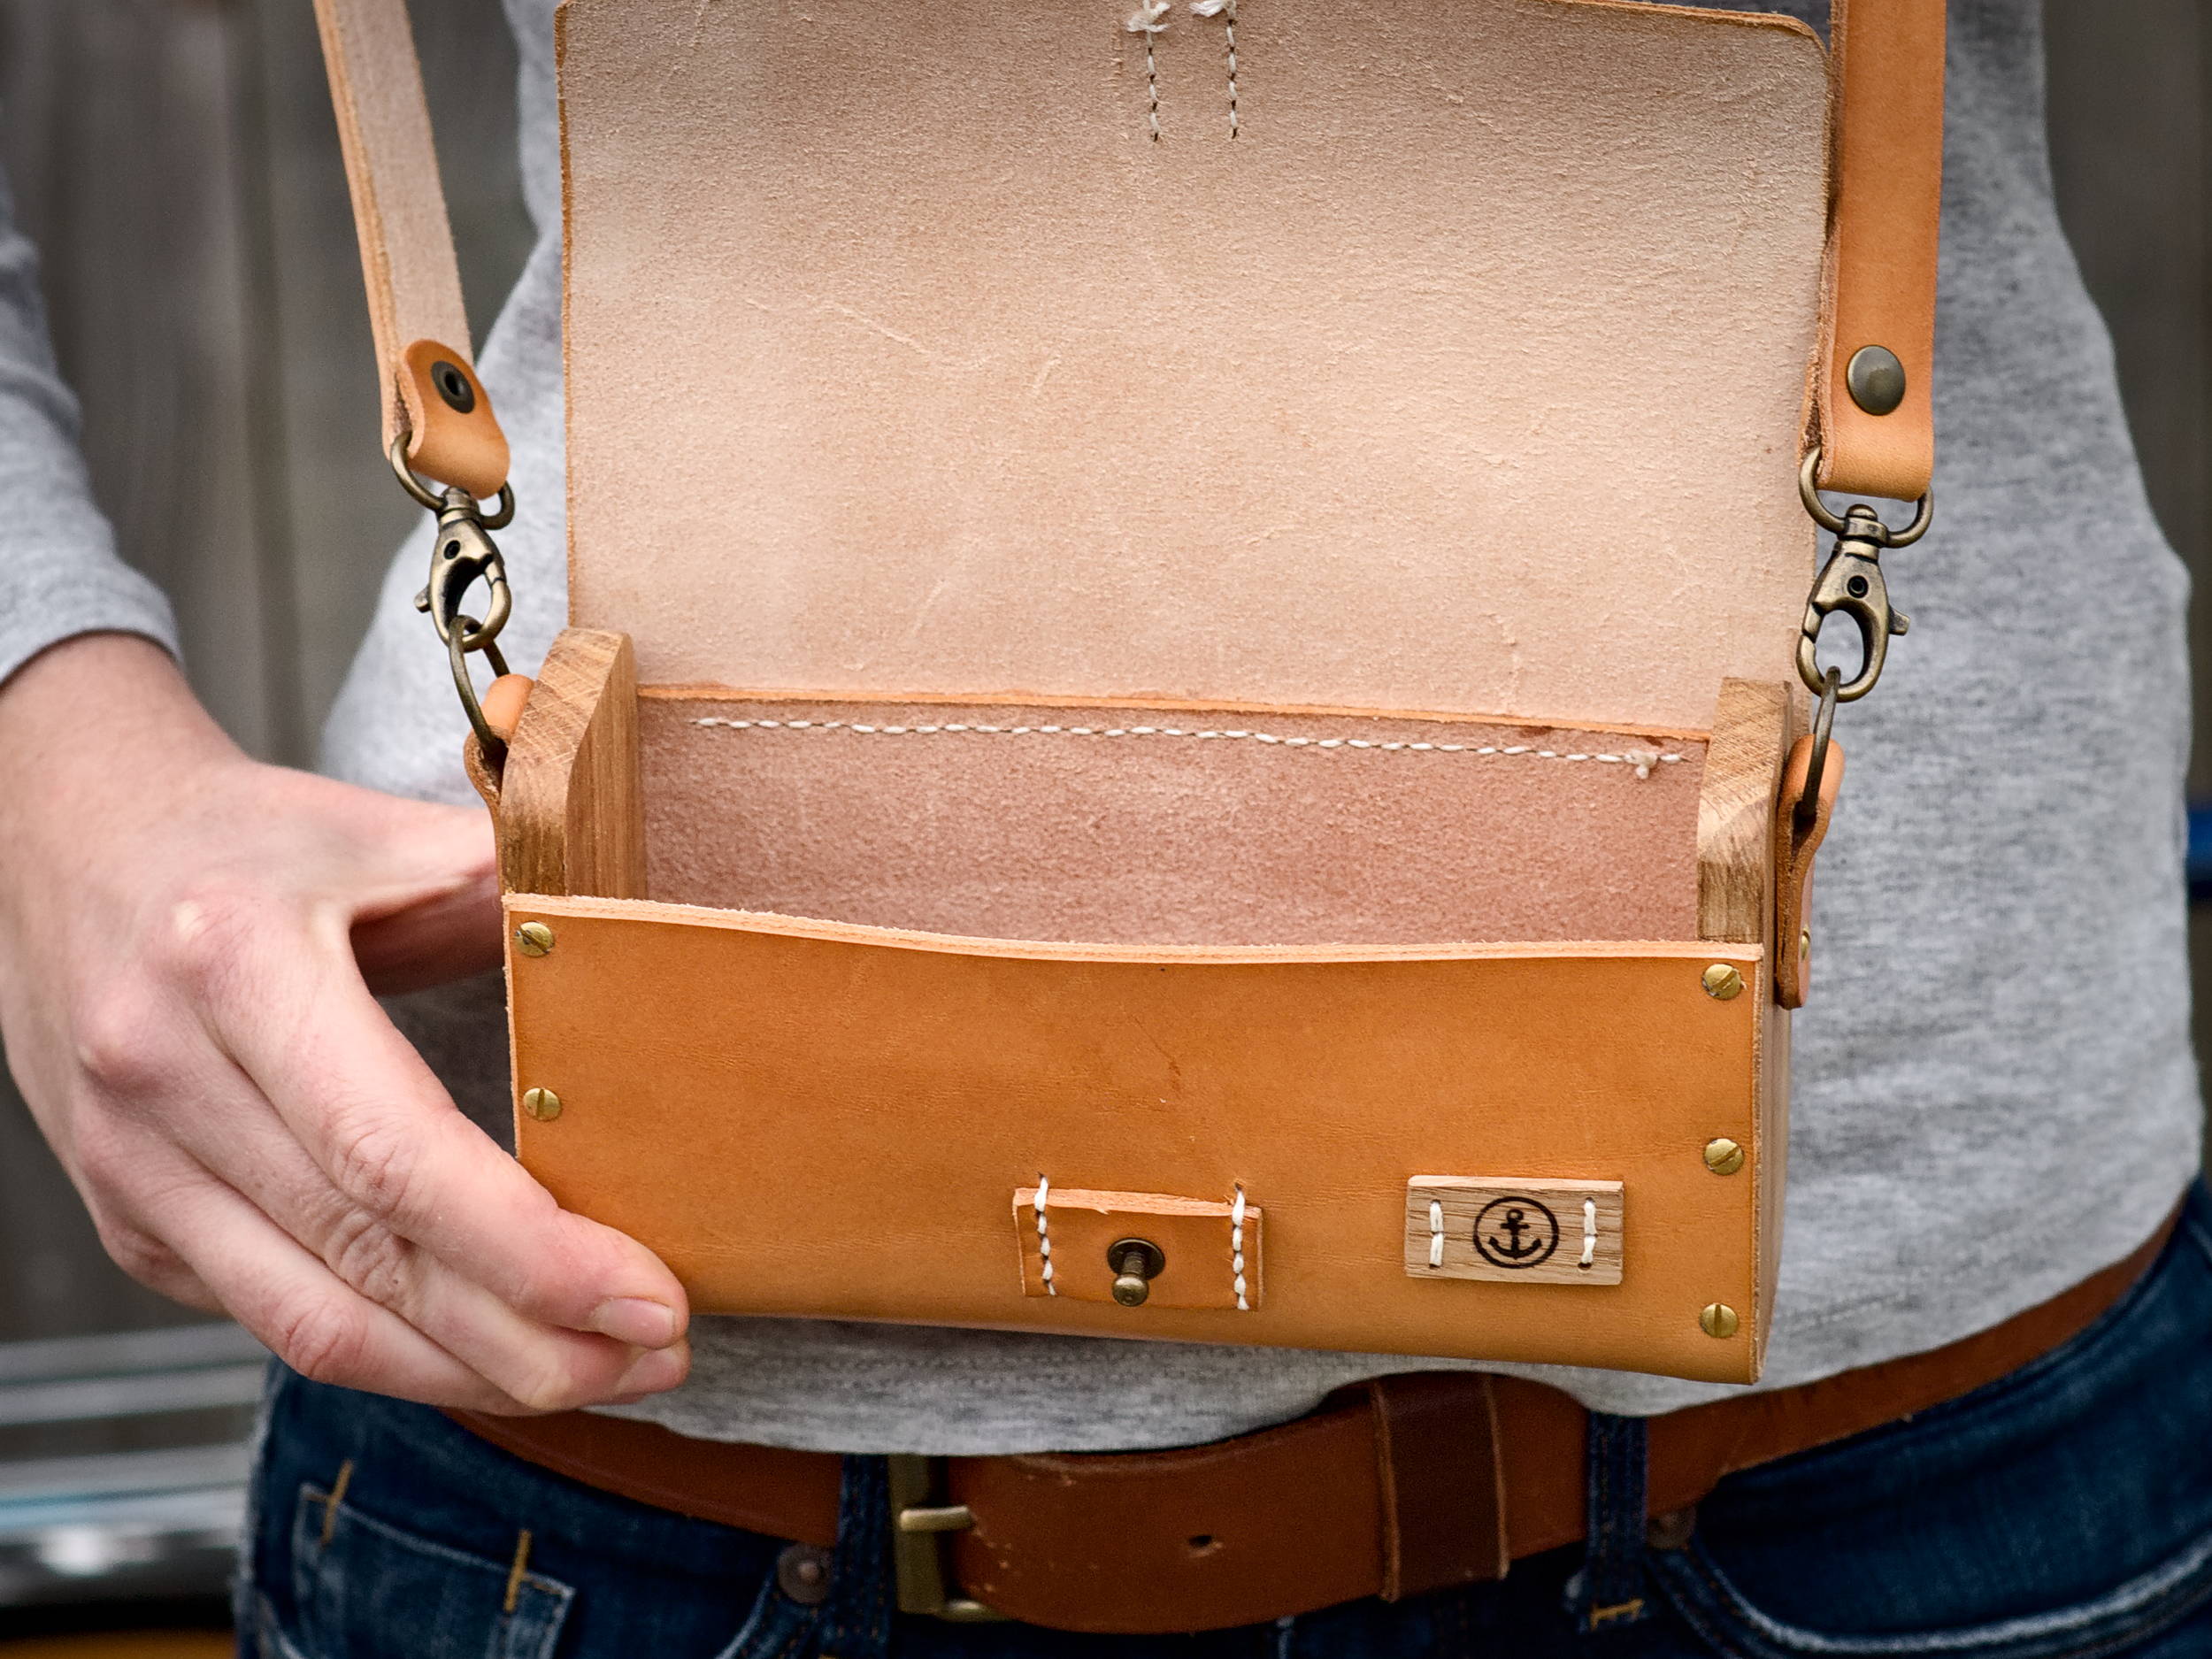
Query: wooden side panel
[[1737, 869], [1735, 812], [570, 817], [1769, 1162], [805, 1118]]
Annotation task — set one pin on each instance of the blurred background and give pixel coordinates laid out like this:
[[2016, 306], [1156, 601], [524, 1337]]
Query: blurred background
[[177, 163]]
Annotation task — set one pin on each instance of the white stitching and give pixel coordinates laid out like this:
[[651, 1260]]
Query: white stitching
[[1146, 20], [1589, 1232], [1226, 10], [1044, 1239], [1642, 760], [1236, 1250], [1436, 1233]]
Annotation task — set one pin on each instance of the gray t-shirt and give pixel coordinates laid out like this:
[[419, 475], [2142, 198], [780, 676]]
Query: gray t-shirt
[[1994, 1094]]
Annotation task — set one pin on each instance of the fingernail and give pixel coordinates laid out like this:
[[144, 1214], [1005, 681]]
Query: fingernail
[[635, 1320], [652, 1372]]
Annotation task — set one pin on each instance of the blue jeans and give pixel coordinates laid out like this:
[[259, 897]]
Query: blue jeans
[[2062, 1512]]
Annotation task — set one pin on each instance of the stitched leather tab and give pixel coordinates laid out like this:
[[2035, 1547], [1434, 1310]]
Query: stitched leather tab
[[1793, 851], [453, 436], [1442, 1483]]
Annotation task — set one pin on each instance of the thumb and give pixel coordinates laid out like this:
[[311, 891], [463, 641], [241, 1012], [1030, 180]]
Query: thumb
[[441, 921]]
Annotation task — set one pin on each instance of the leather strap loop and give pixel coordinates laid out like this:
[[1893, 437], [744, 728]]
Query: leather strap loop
[[1440, 1480], [407, 260], [1887, 68]]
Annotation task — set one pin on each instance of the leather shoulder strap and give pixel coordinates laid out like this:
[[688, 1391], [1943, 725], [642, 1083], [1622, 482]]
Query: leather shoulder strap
[[1878, 437], [1874, 428], [430, 395]]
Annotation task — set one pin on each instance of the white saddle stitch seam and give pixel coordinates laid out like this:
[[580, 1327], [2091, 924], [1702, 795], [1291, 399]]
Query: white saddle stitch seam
[[1642, 760], [1226, 10], [1147, 20], [1589, 1232], [1236, 1250], [1436, 1233], [1044, 1238]]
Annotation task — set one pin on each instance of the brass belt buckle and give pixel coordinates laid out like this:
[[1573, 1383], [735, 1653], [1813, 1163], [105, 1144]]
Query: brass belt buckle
[[919, 1522]]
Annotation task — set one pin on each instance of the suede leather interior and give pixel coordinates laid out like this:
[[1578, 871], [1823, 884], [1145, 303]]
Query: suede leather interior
[[1468, 376], [1159, 840]]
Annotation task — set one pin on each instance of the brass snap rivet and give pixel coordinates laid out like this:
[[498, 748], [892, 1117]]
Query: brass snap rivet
[[1805, 945], [541, 1103], [1876, 380], [1671, 1531], [1723, 1156], [802, 1573], [533, 939], [1723, 982], [1719, 1319]]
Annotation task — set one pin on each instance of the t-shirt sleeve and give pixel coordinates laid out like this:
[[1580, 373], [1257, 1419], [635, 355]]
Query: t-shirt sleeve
[[60, 572]]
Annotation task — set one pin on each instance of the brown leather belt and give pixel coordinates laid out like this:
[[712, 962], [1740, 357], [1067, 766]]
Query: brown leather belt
[[1404, 1485]]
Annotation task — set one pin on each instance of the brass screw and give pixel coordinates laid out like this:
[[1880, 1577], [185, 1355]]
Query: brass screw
[[533, 939], [541, 1103], [1723, 1156], [1723, 982], [1719, 1319]]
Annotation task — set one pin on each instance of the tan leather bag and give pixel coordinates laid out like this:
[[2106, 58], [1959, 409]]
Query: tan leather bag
[[1180, 717]]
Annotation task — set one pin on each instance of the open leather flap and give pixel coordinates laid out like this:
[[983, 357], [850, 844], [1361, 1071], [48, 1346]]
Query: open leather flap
[[1465, 375]]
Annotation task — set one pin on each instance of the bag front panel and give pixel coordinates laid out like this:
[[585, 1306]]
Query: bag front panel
[[807, 1119]]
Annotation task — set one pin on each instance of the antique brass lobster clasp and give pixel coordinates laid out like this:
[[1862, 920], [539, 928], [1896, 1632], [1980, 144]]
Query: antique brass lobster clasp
[[1852, 582]]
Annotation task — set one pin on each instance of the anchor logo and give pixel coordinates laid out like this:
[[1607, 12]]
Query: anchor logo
[[1516, 1232]]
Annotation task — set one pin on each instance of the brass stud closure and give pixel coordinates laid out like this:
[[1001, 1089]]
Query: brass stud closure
[[541, 1103], [1876, 380], [1723, 1156], [1135, 1262], [533, 939], [1719, 1319], [1723, 981]]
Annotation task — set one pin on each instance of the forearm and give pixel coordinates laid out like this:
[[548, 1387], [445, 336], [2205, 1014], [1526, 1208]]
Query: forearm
[[59, 574], [96, 704]]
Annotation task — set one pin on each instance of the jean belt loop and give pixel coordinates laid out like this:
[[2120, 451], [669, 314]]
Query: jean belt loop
[[1608, 1593], [855, 1622]]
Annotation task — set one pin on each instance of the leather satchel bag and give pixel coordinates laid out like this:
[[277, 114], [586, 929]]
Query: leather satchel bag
[[1183, 716]]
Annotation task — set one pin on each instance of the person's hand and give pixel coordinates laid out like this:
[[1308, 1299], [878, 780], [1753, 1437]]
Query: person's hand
[[184, 937]]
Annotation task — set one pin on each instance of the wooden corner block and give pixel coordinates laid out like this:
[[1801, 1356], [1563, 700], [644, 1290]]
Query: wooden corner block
[[1514, 1232], [571, 814], [1735, 812]]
